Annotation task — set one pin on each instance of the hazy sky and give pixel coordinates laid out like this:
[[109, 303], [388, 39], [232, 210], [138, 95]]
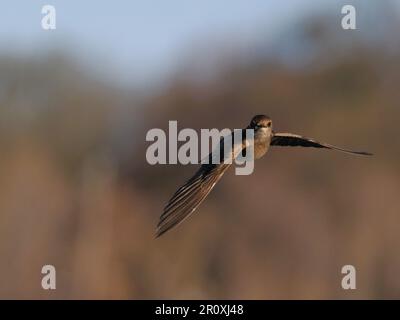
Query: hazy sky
[[139, 39]]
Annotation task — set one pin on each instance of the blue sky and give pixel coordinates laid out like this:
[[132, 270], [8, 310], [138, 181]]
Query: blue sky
[[140, 39]]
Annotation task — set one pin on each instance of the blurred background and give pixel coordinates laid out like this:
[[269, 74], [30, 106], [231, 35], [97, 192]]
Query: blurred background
[[76, 191]]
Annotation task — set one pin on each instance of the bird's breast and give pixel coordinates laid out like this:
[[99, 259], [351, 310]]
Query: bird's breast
[[260, 149], [261, 144]]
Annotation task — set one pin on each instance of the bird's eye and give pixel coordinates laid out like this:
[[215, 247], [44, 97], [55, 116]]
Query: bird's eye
[[268, 124]]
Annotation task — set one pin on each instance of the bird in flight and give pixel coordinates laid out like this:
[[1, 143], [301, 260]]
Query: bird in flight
[[189, 196]]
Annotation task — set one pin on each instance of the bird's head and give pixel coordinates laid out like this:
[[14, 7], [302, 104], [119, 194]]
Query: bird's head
[[261, 122]]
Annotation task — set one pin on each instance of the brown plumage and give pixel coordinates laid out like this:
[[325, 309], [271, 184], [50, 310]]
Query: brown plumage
[[189, 196]]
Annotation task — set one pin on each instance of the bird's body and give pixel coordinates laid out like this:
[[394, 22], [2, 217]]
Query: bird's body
[[189, 196], [262, 140]]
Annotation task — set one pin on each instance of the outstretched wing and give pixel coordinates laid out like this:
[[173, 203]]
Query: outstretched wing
[[189, 196], [294, 140]]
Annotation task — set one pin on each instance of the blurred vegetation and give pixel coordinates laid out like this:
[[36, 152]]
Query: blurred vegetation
[[76, 191]]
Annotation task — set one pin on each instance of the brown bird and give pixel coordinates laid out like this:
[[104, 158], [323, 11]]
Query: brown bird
[[189, 196]]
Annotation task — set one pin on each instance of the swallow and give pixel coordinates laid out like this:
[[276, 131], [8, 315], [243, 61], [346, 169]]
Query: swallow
[[190, 195]]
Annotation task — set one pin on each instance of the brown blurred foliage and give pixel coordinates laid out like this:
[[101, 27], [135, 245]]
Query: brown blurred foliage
[[76, 191]]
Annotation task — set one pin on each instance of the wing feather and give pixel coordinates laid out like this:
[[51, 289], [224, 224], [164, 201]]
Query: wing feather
[[294, 140], [189, 196]]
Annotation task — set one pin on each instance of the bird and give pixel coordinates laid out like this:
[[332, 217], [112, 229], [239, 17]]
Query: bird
[[191, 194]]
